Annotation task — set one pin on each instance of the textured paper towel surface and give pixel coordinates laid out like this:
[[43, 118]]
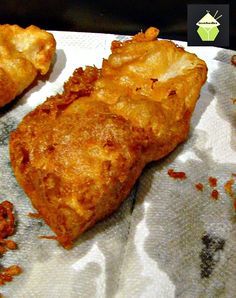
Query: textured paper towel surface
[[167, 240]]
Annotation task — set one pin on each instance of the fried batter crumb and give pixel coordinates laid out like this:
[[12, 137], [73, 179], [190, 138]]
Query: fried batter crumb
[[13, 270], [6, 274], [233, 60], [7, 244], [7, 227], [199, 186], [228, 186], [149, 35], [176, 175], [215, 194], [212, 181], [7, 219], [50, 237], [34, 215], [2, 249], [10, 244]]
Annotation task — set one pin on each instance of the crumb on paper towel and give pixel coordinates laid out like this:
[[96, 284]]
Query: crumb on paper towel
[[233, 60], [215, 194], [7, 244], [49, 237], [35, 215], [228, 187], [6, 274], [199, 186], [7, 219], [7, 228], [212, 181], [176, 175]]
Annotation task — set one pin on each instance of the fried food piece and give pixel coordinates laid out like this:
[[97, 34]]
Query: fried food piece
[[23, 54], [7, 220], [7, 274], [7, 227], [78, 155]]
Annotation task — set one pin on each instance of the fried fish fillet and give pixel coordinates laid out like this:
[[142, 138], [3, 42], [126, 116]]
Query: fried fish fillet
[[78, 154], [23, 54]]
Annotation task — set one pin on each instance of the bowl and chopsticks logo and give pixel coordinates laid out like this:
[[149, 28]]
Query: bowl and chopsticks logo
[[208, 26]]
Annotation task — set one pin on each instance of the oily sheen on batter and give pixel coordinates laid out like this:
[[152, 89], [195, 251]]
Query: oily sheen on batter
[[24, 53], [78, 155]]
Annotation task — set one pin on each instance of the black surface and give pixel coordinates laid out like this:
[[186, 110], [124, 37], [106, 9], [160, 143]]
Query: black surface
[[121, 17]]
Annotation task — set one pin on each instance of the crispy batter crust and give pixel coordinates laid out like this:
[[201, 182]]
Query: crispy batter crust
[[23, 54], [78, 155]]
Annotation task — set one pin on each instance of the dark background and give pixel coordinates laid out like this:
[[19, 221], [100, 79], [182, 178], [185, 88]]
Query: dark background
[[119, 16]]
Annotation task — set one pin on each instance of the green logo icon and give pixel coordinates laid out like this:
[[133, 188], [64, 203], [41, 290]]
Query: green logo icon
[[208, 26]]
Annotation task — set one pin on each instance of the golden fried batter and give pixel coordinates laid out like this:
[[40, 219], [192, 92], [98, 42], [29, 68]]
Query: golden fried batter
[[23, 54], [78, 155]]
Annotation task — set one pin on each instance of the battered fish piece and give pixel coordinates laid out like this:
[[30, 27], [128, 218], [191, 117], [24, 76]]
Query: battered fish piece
[[78, 155], [23, 54]]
